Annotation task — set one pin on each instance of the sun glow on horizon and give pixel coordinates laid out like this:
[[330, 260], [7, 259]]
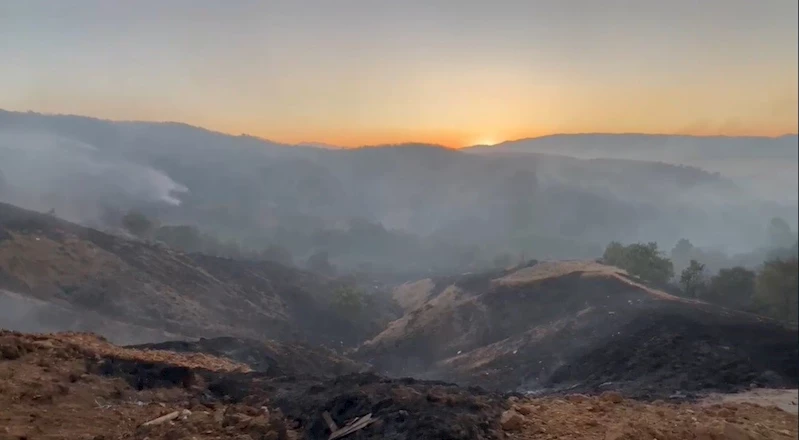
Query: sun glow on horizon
[[487, 141]]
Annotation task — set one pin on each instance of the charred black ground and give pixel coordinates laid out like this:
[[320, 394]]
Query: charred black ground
[[685, 352], [406, 408]]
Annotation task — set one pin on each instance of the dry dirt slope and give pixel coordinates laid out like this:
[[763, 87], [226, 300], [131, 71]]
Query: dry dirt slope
[[81, 276], [76, 386], [582, 326]]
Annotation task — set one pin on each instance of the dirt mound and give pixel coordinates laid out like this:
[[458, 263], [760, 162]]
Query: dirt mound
[[56, 387], [611, 417], [15, 345], [84, 272], [581, 325], [270, 357], [76, 386]]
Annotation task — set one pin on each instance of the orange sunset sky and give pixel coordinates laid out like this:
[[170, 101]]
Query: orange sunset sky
[[455, 73]]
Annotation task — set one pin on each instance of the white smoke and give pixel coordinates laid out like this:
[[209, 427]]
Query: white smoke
[[43, 171]]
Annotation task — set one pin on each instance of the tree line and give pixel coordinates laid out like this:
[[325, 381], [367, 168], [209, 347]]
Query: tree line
[[771, 289]]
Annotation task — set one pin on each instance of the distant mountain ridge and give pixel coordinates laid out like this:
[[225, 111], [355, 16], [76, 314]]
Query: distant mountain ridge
[[411, 204], [632, 145]]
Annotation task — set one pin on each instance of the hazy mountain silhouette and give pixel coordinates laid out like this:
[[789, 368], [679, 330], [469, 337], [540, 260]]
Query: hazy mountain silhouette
[[765, 165], [398, 206]]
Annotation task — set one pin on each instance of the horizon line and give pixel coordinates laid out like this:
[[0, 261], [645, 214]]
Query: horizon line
[[333, 146]]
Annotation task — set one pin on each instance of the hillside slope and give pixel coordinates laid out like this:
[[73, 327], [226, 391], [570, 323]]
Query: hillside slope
[[582, 326], [72, 272]]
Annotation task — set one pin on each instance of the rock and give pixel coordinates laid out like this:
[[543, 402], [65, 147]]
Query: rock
[[525, 409], [511, 421], [611, 396], [236, 419]]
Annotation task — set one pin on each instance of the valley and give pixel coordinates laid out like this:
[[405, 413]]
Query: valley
[[260, 350]]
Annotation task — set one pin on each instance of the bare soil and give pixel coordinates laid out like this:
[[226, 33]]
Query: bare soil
[[75, 386]]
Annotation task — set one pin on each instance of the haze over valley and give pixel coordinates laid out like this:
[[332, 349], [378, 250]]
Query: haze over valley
[[460, 220]]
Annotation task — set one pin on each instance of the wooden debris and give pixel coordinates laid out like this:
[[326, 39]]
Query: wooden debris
[[168, 417], [353, 426], [330, 423]]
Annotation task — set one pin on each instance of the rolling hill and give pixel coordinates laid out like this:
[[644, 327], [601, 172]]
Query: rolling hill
[[64, 276], [578, 326]]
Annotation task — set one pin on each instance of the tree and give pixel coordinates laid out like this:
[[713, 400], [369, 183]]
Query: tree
[[614, 254], [642, 260], [137, 223], [683, 248], [779, 233], [682, 253], [348, 301], [692, 279], [733, 287], [777, 289]]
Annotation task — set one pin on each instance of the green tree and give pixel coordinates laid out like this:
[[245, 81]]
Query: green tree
[[137, 223], [348, 301], [692, 279], [733, 287], [643, 260], [777, 289]]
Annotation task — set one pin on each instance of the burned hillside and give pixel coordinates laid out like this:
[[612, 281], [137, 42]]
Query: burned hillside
[[581, 326], [68, 386], [82, 270]]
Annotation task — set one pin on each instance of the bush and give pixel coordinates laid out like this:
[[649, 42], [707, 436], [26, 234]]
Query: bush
[[777, 289], [733, 287], [348, 301], [137, 223], [692, 279], [642, 260]]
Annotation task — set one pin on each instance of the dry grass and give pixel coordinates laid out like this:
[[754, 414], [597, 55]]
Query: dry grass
[[411, 296], [42, 263], [611, 417]]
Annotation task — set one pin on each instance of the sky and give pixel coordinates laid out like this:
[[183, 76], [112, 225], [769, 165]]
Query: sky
[[365, 72]]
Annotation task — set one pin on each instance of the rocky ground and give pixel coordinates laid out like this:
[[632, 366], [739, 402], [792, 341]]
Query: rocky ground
[[76, 386]]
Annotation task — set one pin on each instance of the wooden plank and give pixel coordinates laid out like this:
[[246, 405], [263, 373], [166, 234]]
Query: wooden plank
[[355, 426], [330, 423]]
